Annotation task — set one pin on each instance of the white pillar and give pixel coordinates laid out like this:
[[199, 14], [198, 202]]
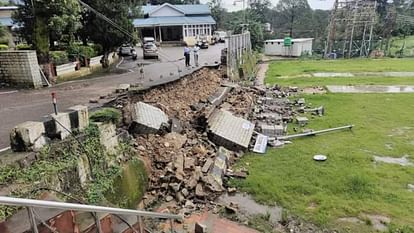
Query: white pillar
[[160, 33]]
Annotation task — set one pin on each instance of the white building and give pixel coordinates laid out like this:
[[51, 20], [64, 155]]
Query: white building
[[298, 47], [176, 23]]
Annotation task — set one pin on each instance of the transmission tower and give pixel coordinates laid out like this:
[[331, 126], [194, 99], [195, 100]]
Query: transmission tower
[[351, 26]]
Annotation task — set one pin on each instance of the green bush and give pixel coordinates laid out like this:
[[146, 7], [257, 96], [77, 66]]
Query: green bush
[[4, 47], [59, 57], [76, 50], [106, 115], [4, 40], [23, 47]]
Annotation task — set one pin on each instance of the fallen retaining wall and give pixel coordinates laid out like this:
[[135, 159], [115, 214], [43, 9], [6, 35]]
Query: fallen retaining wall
[[20, 69]]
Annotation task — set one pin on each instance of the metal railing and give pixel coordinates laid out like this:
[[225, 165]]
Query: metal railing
[[29, 204]]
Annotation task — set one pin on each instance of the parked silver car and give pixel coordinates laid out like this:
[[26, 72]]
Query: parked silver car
[[150, 50], [125, 50]]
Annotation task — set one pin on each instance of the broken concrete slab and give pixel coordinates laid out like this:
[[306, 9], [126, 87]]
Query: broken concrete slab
[[28, 136], [79, 117], [147, 119], [218, 96], [123, 88], [219, 168], [229, 131], [260, 144]]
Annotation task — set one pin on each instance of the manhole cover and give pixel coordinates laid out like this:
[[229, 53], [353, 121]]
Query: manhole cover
[[319, 157]]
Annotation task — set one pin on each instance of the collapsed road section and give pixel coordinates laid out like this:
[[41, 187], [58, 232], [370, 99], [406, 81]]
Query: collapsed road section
[[191, 131]]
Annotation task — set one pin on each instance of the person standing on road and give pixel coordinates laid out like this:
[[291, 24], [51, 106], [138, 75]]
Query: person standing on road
[[141, 71], [196, 50], [187, 55]]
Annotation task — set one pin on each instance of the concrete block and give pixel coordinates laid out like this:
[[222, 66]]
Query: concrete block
[[84, 170], [302, 121], [272, 130], [200, 228], [108, 137], [123, 87], [28, 136], [79, 117], [57, 126], [147, 119]]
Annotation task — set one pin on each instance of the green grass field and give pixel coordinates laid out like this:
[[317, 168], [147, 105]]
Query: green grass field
[[284, 72], [349, 183]]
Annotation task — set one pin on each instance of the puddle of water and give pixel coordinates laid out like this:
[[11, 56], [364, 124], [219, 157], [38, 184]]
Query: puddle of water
[[370, 89], [332, 75], [249, 207], [403, 161], [366, 74]]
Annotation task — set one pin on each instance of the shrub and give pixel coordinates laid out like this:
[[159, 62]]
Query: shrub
[[106, 115], [4, 40], [59, 57], [23, 47], [4, 47], [76, 50]]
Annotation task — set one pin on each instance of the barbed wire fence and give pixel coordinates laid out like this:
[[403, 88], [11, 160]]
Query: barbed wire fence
[[237, 47]]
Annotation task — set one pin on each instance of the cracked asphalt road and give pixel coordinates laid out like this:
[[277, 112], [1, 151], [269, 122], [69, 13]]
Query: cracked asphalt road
[[18, 106]]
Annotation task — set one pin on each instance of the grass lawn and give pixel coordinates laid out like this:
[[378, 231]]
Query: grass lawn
[[293, 68], [349, 183]]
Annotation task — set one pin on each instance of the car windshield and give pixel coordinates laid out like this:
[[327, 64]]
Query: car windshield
[[150, 46]]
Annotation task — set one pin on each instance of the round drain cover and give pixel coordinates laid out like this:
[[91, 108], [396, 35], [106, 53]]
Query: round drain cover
[[319, 157]]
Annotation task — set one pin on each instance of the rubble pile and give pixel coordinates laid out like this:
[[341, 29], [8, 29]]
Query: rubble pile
[[182, 130], [175, 99], [187, 169], [241, 101]]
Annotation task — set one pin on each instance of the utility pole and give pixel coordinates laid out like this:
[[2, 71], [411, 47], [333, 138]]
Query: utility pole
[[352, 22]]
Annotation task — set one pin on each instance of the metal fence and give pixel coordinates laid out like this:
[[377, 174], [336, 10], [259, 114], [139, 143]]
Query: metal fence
[[237, 46]]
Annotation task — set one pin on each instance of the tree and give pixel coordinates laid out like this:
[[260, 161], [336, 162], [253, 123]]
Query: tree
[[260, 9], [236, 21], [100, 31], [290, 10], [47, 21], [218, 12], [2, 31]]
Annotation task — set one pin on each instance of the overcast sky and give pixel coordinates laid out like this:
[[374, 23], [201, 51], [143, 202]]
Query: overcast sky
[[315, 4]]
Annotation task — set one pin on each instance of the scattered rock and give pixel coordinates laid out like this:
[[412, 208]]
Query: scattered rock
[[410, 187], [93, 101], [169, 198], [231, 190], [199, 190]]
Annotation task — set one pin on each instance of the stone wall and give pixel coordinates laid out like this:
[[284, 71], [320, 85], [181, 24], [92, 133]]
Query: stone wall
[[20, 69]]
